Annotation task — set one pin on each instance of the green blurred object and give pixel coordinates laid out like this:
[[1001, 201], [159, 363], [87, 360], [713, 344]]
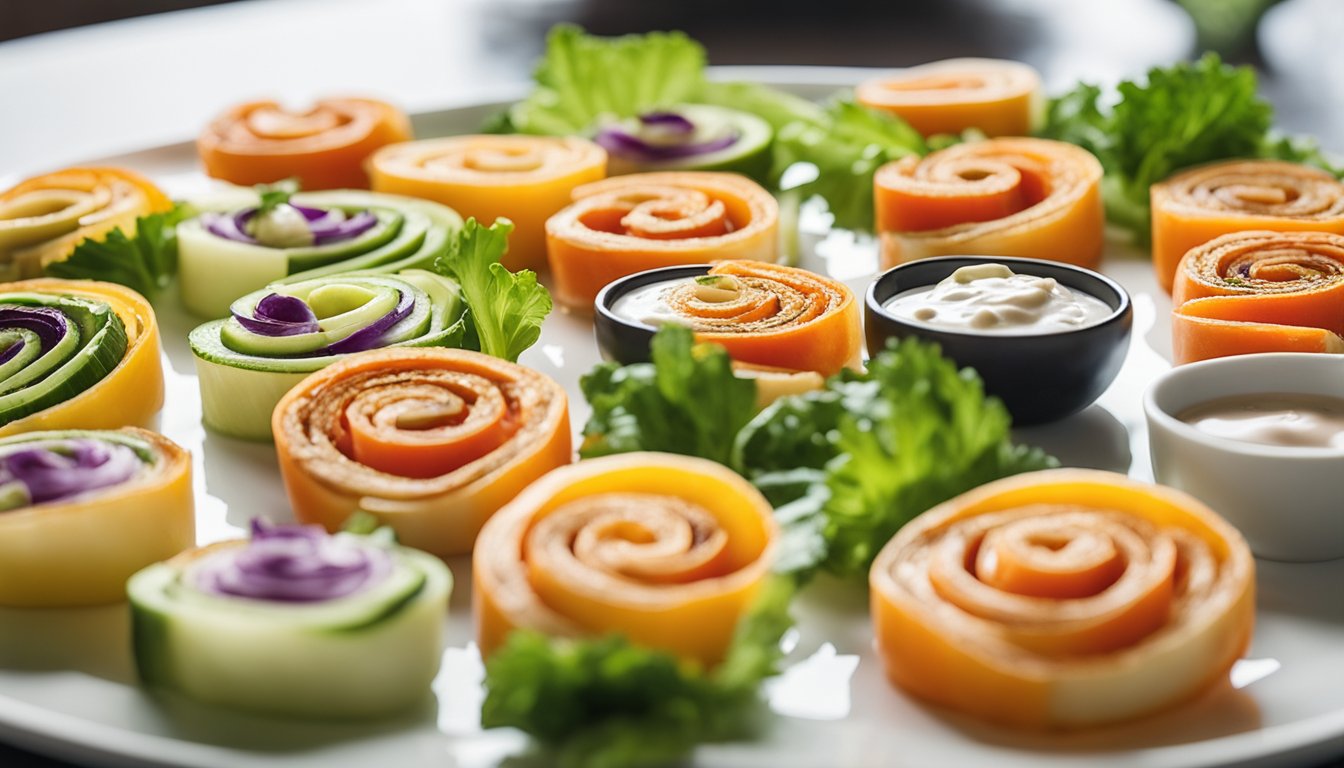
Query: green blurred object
[[1226, 26]]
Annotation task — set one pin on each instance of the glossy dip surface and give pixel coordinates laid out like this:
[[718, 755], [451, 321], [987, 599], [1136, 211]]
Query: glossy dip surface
[[1295, 420], [991, 299]]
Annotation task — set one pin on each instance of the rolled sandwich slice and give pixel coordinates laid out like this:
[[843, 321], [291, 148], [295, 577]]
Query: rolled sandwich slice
[[293, 622], [82, 510]]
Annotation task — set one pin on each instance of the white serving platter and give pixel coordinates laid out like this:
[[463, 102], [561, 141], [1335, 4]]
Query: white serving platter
[[68, 688]]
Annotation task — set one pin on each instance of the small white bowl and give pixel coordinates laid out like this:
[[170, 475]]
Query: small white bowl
[[1288, 501]]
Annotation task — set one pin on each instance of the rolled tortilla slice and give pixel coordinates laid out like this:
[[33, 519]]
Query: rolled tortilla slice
[[1262, 291], [667, 550], [430, 441], [77, 354], [1063, 598], [628, 224], [82, 510], [1195, 206], [1033, 198], [324, 147], [44, 218], [525, 179], [293, 622], [997, 97], [771, 315]]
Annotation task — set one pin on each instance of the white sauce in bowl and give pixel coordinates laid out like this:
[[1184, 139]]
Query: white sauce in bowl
[[1303, 421], [648, 304], [991, 299]]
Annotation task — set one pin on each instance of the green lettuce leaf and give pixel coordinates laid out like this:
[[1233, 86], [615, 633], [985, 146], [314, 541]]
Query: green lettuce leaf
[[1179, 116], [504, 309], [847, 146], [686, 401], [582, 78], [607, 703], [144, 263]]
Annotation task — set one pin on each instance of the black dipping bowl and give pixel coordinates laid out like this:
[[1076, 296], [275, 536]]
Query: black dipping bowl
[[1040, 377], [627, 341]]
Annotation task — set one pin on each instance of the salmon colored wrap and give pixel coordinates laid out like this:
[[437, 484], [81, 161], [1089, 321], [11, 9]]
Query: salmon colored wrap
[[525, 179], [323, 147], [1250, 292], [667, 550], [997, 97], [1063, 598], [430, 441], [44, 218], [1194, 207], [1034, 198], [628, 224]]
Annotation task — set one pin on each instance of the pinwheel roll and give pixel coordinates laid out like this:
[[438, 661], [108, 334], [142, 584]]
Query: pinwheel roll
[[1259, 292], [280, 334], [45, 217], [628, 224], [667, 550], [80, 511], [1193, 207], [999, 98], [763, 314], [430, 441], [236, 247], [293, 622], [525, 179], [1034, 198], [77, 354], [1063, 598], [323, 148]]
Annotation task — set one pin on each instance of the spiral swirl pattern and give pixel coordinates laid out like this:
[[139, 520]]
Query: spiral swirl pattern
[[999, 98], [1062, 598], [628, 224], [1197, 205], [667, 550], [431, 441]]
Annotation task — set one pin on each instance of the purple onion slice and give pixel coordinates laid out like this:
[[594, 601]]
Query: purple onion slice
[[294, 564]]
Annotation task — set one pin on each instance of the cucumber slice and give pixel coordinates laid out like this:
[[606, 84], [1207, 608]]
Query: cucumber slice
[[368, 654], [244, 374], [214, 270], [748, 155], [93, 345]]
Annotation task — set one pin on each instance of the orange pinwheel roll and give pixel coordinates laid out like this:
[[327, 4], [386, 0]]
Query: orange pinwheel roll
[[1259, 292], [1193, 207], [430, 441], [1034, 198], [1000, 98], [324, 147], [667, 550], [525, 179], [627, 224], [44, 218], [1063, 598]]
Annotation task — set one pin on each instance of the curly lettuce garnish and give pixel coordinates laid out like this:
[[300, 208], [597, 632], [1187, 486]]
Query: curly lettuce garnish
[[1178, 117], [607, 703], [504, 309], [144, 263]]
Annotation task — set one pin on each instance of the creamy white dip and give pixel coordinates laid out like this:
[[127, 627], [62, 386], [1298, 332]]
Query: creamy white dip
[[1312, 421], [991, 299]]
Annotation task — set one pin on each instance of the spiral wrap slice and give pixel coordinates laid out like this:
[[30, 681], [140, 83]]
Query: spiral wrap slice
[[1034, 198], [667, 550], [77, 354], [430, 441], [324, 147], [44, 218], [525, 179], [1063, 598], [1194, 207], [97, 507], [997, 97], [1250, 292], [628, 224]]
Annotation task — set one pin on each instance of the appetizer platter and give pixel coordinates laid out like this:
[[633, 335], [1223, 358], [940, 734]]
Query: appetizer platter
[[313, 473]]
